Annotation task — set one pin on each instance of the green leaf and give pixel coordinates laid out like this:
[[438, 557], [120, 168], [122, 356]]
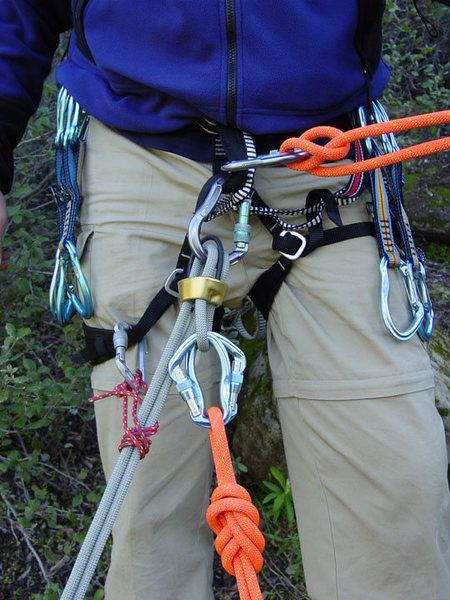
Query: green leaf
[[290, 513], [278, 503], [278, 476], [272, 486], [10, 330], [269, 497], [82, 474]]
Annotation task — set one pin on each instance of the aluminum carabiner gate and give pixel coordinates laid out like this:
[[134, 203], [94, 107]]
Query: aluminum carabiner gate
[[188, 385]]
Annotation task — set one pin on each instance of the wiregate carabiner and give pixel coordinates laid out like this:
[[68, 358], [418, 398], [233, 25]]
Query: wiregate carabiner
[[426, 328], [188, 385], [416, 306]]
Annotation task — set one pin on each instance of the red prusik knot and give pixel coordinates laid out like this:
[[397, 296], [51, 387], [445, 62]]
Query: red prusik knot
[[234, 519], [138, 435]]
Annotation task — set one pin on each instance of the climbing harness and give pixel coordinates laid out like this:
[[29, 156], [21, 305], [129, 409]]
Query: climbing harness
[[200, 274], [69, 151], [387, 209]]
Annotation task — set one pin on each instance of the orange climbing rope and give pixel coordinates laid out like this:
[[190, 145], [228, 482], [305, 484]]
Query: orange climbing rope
[[339, 145], [233, 517]]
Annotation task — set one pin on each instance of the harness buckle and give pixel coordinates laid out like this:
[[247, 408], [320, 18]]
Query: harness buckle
[[230, 379], [300, 249]]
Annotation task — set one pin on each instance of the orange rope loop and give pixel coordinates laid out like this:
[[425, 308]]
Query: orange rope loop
[[339, 145], [233, 517]]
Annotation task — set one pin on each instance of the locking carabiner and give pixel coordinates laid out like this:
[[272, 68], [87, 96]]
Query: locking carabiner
[[189, 387], [415, 304]]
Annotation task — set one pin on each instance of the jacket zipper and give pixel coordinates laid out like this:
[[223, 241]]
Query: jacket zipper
[[231, 98], [80, 36]]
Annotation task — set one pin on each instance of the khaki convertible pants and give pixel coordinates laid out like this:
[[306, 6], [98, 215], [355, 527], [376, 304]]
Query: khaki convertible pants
[[364, 443]]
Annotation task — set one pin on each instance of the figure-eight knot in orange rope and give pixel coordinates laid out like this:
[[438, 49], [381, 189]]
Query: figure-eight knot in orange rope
[[339, 145], [233, 517]]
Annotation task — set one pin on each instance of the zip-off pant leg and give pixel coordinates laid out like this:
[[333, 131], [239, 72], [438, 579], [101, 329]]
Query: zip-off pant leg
[[329, 352]]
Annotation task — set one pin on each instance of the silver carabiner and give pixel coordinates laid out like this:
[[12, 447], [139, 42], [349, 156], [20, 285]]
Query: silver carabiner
[[188, 385], [426, 328], [416, 306], [275, 158], [120, 341], [200, 215]]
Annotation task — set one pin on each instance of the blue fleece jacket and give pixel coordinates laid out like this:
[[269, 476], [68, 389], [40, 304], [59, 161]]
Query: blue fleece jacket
[[155, 69]]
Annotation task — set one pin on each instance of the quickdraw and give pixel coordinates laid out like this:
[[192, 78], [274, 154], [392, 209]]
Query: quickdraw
[[65, 301]]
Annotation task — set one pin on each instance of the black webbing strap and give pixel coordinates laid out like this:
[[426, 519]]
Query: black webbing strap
[[99, 345], [267, 285]]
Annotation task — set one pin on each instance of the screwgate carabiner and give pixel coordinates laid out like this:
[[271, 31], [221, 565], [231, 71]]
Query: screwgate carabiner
[[230, 380], [415, 304]]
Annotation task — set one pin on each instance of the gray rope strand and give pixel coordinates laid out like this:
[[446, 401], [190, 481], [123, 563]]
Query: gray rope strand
[[204, 311], [119, 482]]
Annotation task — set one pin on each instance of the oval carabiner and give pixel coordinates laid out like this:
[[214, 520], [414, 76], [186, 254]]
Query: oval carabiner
[[426, 329], [416, 306]]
